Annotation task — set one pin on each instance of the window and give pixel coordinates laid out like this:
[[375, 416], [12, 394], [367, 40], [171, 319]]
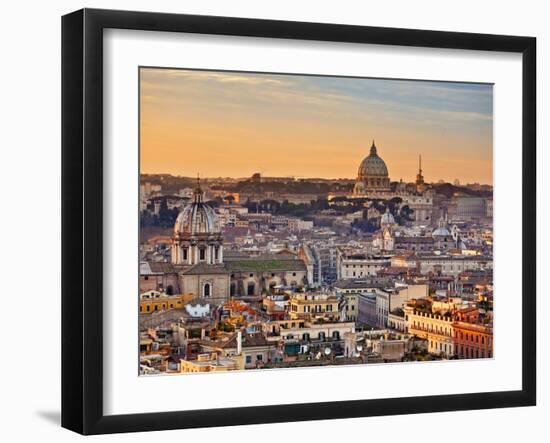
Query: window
[[206, 290], [251, 288], [202, 254], [148, 308], [185, 253], [216, 252], [259, 357], [248, 359]]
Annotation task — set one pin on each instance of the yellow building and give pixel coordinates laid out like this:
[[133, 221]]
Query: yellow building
[[313, 306], [152, 301], [352, 307], [212, 362], [435, 326]]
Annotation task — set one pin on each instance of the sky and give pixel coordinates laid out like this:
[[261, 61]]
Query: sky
[[233, 124]]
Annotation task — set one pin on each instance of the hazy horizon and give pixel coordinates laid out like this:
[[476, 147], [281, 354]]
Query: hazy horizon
[[299, 178], [213, 122]]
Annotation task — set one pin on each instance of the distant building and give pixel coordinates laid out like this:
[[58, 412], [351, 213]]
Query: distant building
[[373, 182], [468, 207], [357, 264]]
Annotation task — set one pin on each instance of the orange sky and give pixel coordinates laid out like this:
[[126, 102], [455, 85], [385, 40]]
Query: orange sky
[[233, 124]]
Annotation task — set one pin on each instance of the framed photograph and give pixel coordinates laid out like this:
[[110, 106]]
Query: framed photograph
[[269, 221]]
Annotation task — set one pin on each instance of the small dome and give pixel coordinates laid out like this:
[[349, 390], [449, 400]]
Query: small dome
[[373, 165], [387, 218], [197, 217], [442, 229], [441, 232]]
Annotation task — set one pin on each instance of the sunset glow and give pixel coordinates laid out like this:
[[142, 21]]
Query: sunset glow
[[233, 124]]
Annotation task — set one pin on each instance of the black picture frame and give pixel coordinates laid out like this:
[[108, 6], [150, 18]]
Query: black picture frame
[[82, 215]]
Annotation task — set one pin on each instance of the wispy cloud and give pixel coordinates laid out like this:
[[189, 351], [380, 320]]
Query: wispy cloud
[[314, 113]]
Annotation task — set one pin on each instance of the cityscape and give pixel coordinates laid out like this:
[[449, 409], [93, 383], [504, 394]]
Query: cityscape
[[263, 270]]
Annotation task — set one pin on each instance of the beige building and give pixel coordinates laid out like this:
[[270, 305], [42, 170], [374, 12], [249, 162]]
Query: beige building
[[358, 264], [434, 326], [253, 349], [308, 305], [444, 264], [294, 330]]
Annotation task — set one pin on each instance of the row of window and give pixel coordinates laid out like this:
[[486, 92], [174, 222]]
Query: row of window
[[431, 328], [307, 337], [473, 337], [202, 253], [469, 352], [259, 357], [441, 347], [155, 307]]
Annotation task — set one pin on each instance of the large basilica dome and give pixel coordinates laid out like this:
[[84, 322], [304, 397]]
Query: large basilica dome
[[372, 175], [372, 165]]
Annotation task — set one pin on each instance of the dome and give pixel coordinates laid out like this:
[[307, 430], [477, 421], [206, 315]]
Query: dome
[[197, 217], [387, 218], [442, 230], [373, 165]]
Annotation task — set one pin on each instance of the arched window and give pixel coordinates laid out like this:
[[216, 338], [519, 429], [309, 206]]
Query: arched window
[[251, 288], [336, 335], [206, 290]]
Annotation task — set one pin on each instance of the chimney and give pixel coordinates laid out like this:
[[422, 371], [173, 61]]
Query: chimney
[[239, 342]]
